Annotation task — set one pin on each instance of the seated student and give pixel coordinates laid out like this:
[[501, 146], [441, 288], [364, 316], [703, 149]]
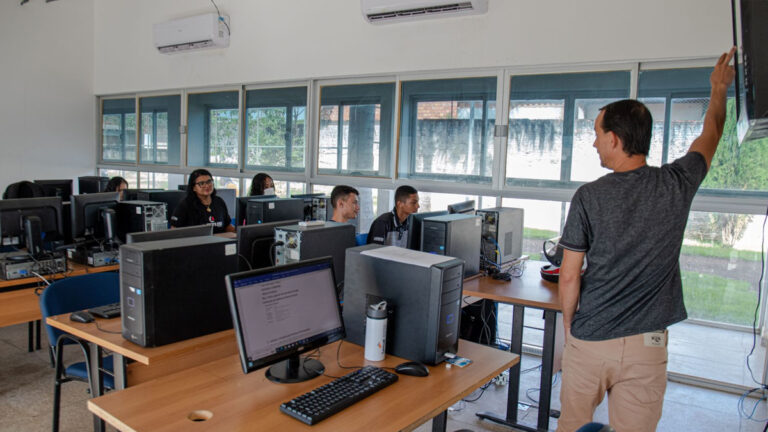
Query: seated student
[[117, 184], [262, 184], [392, 228], [345, 202], [201, 205]]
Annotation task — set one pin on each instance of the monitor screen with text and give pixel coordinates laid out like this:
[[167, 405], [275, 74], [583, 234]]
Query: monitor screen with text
[[285, 311]]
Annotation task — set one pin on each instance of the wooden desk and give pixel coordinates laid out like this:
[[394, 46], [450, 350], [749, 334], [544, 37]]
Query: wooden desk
[[22, 305], [250, 402], [529, 290], [149, 363]]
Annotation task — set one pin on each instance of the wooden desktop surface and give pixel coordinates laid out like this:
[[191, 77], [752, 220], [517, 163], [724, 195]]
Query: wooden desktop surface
[[23, 305], [240, 402], [151, 362], [528, 290]]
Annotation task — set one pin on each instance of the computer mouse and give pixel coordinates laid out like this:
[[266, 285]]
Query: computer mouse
[[81, 316], [412, 368]]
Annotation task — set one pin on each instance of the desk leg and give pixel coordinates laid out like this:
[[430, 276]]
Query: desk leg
[[37, 333], [547, 359], [30, 337], [118, 363], [439, 422], [513, 390], [96, 379]]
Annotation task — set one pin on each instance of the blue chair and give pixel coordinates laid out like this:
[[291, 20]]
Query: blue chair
[[595, 427], [69, 295], [361, 239]]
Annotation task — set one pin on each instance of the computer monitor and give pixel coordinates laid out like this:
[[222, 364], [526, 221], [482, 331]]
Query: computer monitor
[[56, 188], [171, 198], [241, 207], [229, 196], [14, 213], [466, 207], [414, 227], [91, 184], [133, 194], [90, 215], [254, 244], [280, 313], [190, 231], [262, 210]]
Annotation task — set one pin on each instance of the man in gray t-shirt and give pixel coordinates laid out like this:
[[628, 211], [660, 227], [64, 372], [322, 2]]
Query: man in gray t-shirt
[[629, 226]]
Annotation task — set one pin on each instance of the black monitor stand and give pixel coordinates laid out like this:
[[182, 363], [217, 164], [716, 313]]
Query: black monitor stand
[[295, 369]]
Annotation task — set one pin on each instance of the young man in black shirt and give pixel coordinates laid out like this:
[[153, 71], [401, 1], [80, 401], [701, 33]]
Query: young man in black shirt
[[392, 228]]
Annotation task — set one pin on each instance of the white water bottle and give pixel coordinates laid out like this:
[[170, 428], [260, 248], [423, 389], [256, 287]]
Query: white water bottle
[[376, 331]]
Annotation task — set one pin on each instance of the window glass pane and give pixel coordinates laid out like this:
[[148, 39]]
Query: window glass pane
[[355, 131], [585, 163], [535, 142], [160, 136], [551, 125], [720, 266], [657, 107], [130, 176], [153, 180], [686, 122], [213, 136], [542, 220], [433, 201], [118, 130], [276, 128], [447, 129], [227, 183], [736, 166], [286, 189]]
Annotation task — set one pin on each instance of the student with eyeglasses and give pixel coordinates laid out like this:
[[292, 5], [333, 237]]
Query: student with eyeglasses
[[201, 205]]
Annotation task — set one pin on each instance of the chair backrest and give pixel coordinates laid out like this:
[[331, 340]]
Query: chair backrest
[[23, 189], [77, 293]]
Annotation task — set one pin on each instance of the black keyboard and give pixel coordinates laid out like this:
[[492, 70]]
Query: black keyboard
[[107, 311], [327, 400]]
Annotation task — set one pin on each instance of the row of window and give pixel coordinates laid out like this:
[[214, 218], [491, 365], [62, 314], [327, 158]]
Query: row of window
[[440, 130]]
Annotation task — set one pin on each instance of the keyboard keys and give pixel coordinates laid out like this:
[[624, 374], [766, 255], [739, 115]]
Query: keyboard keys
[[326, 400]]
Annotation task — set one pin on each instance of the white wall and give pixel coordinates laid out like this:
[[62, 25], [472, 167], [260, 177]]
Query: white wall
[[47, 107], [274, 40]]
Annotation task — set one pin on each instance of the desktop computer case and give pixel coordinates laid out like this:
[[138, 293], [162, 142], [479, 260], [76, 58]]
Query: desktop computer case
[[425, 327], [173, 290], [304, 242], [140, 216], [273, 210], [503, 227], [455, 235]]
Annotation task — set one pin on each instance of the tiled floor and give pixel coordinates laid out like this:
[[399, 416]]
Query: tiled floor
[[26, 390]]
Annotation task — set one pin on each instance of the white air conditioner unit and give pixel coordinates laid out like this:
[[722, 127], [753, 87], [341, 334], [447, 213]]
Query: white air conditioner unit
[[196, 32], [388, 11]]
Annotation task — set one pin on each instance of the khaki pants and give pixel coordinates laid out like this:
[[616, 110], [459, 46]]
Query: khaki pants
[[633, 370]]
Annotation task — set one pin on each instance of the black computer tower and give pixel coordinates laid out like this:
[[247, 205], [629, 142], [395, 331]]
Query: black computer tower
[[322, 209], [503, 232], [297, 243], [456, 235], [423, 294], [173, 290], [140, 216], [262, 210], [171, 198]]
